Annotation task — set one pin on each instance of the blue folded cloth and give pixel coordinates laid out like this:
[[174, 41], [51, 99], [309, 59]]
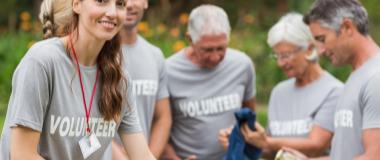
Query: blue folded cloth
[[238, 149]]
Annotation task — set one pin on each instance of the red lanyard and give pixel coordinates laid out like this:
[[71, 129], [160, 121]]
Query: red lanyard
[[88, 111]]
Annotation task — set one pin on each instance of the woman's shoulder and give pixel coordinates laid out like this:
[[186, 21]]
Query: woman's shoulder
[[284, 85], [331, 81], [46, 50]]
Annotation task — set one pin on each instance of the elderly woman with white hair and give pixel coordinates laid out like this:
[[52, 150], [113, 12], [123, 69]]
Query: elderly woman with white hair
[[301, 108]]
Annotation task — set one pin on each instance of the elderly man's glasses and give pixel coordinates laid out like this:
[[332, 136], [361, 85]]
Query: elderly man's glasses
[[212, 49], [286, 55]]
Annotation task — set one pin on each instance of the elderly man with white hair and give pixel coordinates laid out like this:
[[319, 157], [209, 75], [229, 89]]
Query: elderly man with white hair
[[207, 83], [301, 109]]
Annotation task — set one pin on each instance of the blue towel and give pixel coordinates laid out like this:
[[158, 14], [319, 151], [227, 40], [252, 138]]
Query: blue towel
[[238, 149]]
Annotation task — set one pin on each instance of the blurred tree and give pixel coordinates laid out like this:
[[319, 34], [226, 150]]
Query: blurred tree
[[8, 13], [10, 9]]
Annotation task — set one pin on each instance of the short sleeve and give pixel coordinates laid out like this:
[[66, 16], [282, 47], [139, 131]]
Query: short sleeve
[[162, 82], [371, 103], [250, 90], [130, 122], [30, 95], [325, 115]]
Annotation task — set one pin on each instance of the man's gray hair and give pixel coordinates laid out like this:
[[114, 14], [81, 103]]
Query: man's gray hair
[[331, 13], [292, 29], [208, 20]]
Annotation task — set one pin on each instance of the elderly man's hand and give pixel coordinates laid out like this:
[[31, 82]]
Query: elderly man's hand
[[224, 135], [257, 138]]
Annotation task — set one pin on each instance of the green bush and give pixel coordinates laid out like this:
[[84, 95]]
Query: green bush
[[13, 46]]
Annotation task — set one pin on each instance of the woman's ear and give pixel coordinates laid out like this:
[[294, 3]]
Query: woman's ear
[[312, 55], [76, 6]]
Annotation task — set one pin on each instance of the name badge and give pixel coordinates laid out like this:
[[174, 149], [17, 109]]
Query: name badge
[[88, 145]]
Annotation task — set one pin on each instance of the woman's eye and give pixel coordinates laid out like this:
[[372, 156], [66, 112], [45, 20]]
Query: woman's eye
[[121, 3], [101, 1]]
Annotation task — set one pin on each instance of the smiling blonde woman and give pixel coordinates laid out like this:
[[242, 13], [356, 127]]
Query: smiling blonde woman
[[70, 94]]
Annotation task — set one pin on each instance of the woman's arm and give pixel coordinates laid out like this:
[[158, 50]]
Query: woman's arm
[[24, 143], [160, 127], [136, 146], [315, 144], [319, 139], [118, 152]]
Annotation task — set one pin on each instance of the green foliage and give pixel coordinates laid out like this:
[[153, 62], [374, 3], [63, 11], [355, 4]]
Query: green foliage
[[2, 119], [262, 115], [13, 46]]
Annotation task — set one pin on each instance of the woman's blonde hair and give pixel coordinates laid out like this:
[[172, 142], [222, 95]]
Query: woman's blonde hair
[[56, 17]]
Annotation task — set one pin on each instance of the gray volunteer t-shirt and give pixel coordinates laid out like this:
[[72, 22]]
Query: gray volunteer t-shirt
[[294, 110], [358, 109], [46, 97], [204, 100], [146, 65]]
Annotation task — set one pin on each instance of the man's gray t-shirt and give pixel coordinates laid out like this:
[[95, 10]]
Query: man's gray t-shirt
[[358, 109], [46, 97], [145, 63], [204, 101], [294, 110]]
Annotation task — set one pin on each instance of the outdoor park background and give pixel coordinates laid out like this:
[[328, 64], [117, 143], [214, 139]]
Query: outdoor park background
[[164, 25]]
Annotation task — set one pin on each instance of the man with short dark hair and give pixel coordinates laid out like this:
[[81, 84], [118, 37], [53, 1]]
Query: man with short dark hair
[[341, 29]]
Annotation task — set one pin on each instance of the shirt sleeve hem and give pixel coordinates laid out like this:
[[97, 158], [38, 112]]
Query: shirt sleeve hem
[[25, 123], [128, 130], [371, 126], [162, 97], [324, 127]]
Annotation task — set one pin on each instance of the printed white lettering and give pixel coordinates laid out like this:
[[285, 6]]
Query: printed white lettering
[[64, 126], [76, 126], [112, 129], [209, 106], [71, 132], [144, 87], [344, 119], [99, 128], [54, 124], [289, 128]]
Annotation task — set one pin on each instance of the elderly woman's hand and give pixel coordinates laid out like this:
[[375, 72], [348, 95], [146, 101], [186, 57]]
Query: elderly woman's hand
[[297, 154], [224, 135], [257, 138]]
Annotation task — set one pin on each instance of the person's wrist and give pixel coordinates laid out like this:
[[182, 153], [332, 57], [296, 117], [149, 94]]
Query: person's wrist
[[269, 143]]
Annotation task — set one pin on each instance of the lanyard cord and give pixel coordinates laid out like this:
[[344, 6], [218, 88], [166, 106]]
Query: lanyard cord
[[88, 111]]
